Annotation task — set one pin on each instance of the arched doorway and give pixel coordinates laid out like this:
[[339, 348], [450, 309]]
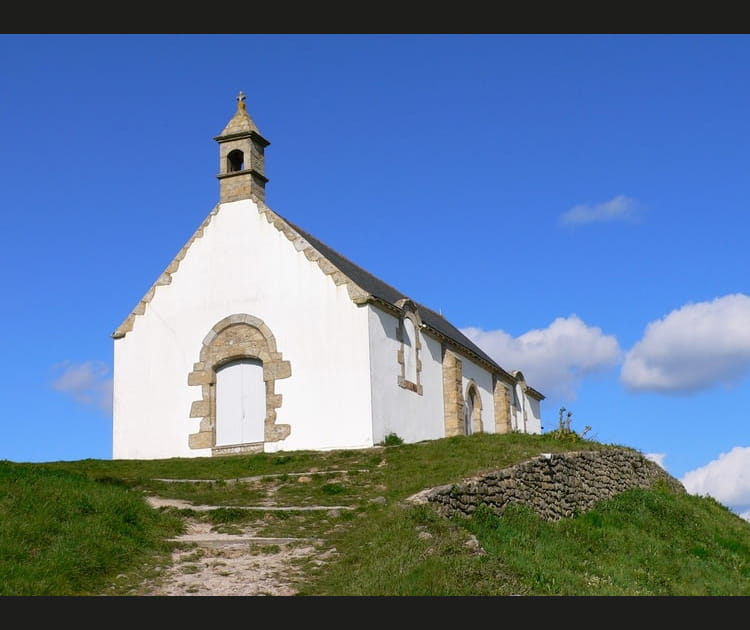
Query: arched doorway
[[243, 340], [472, 410], [468, 413]]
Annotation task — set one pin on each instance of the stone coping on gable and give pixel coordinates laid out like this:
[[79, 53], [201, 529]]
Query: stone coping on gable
[[356, 293]]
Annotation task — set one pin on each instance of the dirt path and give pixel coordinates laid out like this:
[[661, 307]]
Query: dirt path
[[232, 564]]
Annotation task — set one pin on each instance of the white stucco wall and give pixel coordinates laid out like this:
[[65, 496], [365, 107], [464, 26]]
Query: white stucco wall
[[243, 264], [533, 415], [525, 411], [411, 416]]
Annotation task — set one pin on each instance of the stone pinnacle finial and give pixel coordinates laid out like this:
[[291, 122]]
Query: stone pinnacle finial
[[241, 100]]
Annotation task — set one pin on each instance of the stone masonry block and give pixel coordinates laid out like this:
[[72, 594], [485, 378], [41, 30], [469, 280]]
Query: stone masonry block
[[199, 378], [204, 439], [199, 409]]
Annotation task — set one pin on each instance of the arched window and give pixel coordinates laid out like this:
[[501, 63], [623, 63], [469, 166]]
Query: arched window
[[410, 346], [235, 161], [519, 396], [410, 350]]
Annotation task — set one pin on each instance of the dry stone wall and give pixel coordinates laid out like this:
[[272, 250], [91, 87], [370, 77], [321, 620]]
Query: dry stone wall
[[555, 485]]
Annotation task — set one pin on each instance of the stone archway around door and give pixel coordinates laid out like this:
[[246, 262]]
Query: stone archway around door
[[235, 338]]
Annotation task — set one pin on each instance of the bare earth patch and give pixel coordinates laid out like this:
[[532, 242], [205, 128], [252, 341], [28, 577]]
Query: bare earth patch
[[210, 563]]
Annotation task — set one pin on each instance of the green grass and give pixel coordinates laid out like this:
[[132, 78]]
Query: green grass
[[670, 551], [84, 528], [61, 534]]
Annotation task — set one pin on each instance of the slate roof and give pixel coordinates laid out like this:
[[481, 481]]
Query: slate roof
[[388, 294]]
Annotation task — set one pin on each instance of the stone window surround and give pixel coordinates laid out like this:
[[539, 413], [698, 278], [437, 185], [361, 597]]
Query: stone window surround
[[238, 336], [409, 310]]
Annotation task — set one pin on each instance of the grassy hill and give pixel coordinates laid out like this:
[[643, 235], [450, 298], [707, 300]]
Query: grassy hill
[[85, 528]]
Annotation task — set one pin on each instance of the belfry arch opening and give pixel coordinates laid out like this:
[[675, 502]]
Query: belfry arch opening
[[235, 161]]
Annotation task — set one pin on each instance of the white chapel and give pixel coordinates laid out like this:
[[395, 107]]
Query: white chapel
[[258, 337]]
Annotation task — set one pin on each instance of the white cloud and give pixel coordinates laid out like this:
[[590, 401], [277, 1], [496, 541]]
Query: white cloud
[[88, 383], [554, 359], [693, 348], [657, 458], [726, 479], [619, 208]]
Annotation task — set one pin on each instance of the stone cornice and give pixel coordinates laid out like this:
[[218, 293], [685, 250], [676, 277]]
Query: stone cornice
[[252, 171], [243, 134]]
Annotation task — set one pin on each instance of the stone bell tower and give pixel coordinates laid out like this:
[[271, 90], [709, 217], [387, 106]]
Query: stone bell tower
[[241, 158]]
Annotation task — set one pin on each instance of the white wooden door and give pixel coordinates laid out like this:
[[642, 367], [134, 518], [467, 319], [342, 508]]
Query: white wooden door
[[468, 412], [240, 402]]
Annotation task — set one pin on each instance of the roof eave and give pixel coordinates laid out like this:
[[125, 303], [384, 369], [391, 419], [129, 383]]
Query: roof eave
[[493, 367]]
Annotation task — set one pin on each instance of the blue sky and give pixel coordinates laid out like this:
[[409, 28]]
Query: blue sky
[[577, 204]]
